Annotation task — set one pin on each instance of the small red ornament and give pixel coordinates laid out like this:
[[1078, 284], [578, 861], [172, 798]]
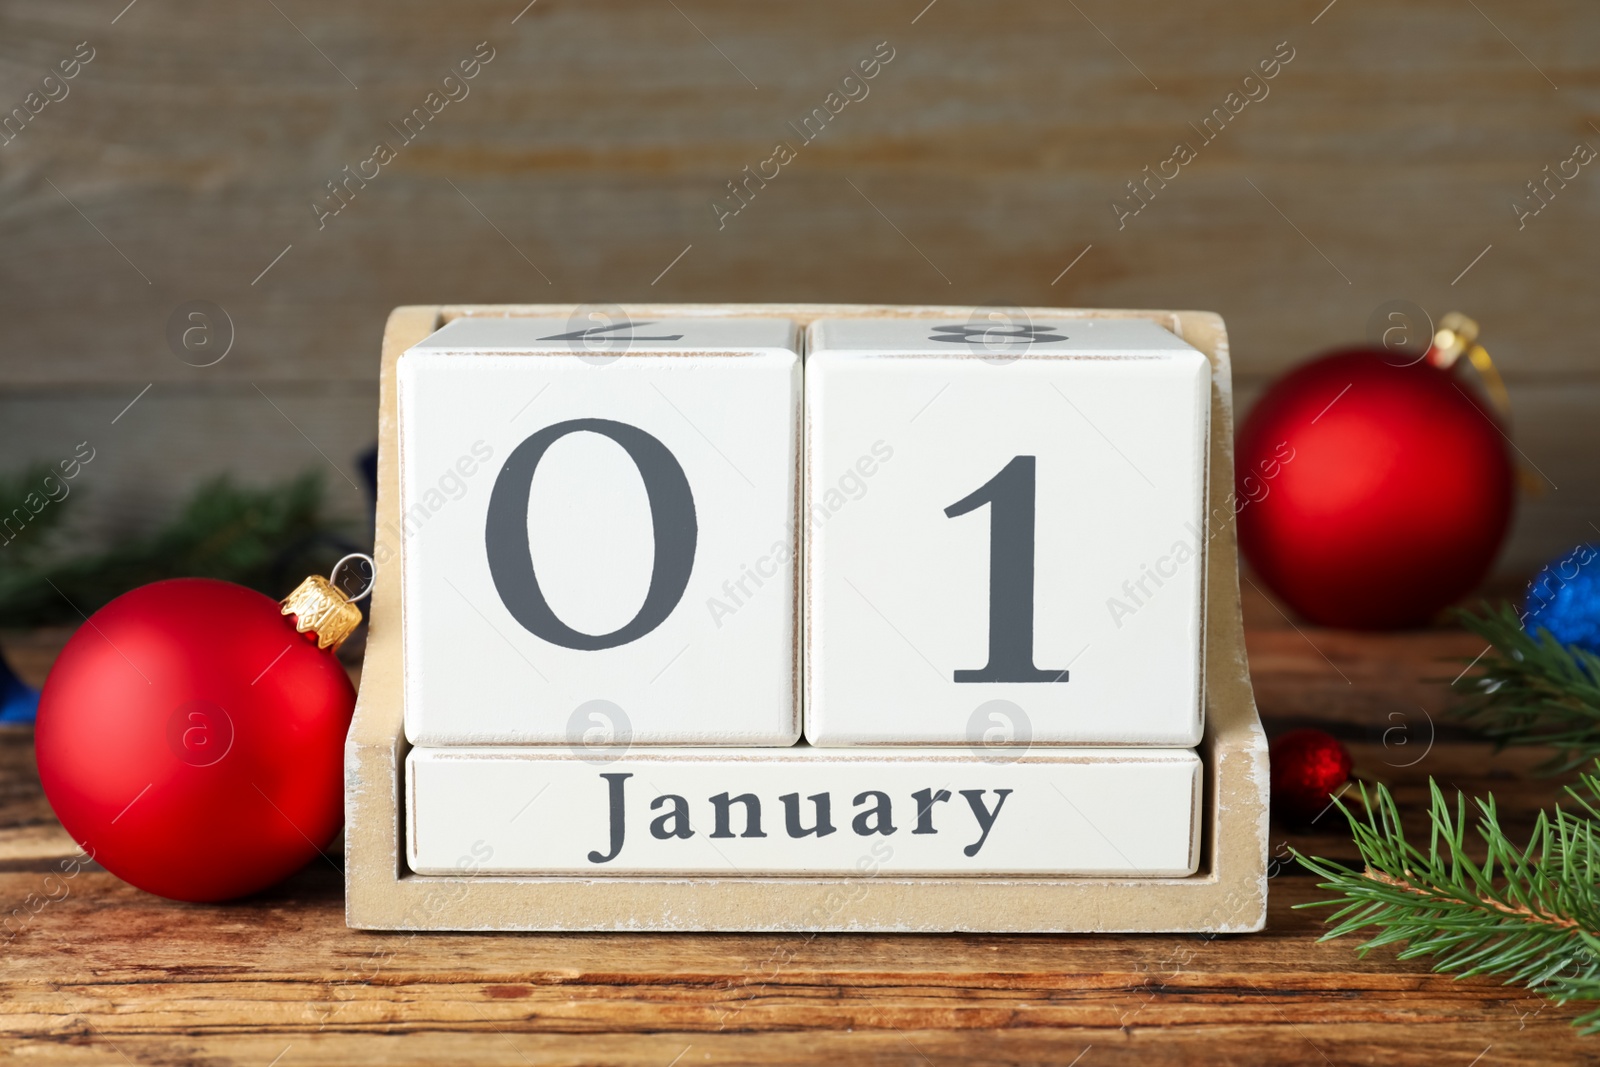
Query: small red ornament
[[191, 735], [1307, 767], [1373, 489]]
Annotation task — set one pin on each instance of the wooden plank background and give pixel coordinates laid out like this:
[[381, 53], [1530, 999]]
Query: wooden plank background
[[582, 165]]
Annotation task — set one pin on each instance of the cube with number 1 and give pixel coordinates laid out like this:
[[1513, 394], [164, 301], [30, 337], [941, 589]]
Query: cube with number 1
[[1004, 532]]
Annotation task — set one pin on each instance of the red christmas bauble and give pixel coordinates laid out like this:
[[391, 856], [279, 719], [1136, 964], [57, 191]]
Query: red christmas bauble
[[1307, 767], [1371, 494], [191, 740]]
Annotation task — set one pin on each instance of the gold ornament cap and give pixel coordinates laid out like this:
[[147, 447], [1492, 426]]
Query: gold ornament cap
[[1457, 336], [319, 605]]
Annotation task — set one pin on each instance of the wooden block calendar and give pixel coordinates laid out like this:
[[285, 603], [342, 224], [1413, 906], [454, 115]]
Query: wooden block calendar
[[1008, 629]]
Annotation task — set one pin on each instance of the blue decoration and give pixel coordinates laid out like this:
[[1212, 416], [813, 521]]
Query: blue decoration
[[19, 701], [1564, 598]]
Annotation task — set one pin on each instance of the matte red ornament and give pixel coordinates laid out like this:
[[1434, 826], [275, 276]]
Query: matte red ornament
[[1371, 491], [1307, 767], [191, 740]]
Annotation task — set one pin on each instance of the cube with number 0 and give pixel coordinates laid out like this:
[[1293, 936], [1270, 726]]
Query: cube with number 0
[[1004, 532], [598, 531]]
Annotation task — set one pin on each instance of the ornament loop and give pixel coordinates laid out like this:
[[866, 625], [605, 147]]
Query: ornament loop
[[372, 576]]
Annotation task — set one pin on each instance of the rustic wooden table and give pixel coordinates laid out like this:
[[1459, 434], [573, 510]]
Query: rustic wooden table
[[97, 972]]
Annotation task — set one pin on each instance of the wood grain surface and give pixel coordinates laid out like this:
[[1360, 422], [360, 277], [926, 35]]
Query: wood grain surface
[[104, 973], [1381, 162]]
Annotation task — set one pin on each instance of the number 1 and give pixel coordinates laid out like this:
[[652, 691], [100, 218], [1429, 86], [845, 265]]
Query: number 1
[[1010, 496]]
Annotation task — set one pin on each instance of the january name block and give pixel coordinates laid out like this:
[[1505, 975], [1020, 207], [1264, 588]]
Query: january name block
[[878, 813], [1004, 532], [598, 533]]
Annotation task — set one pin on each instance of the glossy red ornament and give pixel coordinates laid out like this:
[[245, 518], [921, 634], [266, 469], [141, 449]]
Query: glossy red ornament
[[1371, 492], [192, 741], [1307, 767]]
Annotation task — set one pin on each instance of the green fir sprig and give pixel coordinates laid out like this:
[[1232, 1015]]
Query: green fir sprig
[[1530, 689], [266, 538], [1528, 913], [22, 495]]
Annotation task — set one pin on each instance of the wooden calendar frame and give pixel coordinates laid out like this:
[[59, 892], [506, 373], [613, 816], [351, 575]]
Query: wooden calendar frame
[[1228, 894]]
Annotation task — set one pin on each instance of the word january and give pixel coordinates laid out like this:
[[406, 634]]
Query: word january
[[874, 815]]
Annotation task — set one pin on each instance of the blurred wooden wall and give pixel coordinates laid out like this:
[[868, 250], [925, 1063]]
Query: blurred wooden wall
[[186, 156]]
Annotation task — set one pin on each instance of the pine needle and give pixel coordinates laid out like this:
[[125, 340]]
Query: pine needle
[[1527, 913], [267, 539], [1531, 689]]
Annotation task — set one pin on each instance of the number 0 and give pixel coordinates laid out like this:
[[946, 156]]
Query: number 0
[[1010, 496], [672, 520]]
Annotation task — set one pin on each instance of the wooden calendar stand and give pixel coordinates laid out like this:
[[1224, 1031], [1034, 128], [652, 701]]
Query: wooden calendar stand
[[1228, 894]]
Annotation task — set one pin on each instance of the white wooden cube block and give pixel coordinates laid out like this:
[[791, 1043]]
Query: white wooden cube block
[[1004, 532], [598, 531], [803, 810]]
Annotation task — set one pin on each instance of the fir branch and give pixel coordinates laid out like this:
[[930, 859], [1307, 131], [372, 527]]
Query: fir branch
[[1528, 913], [30, 512], [1532, 690], [267, 539]]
